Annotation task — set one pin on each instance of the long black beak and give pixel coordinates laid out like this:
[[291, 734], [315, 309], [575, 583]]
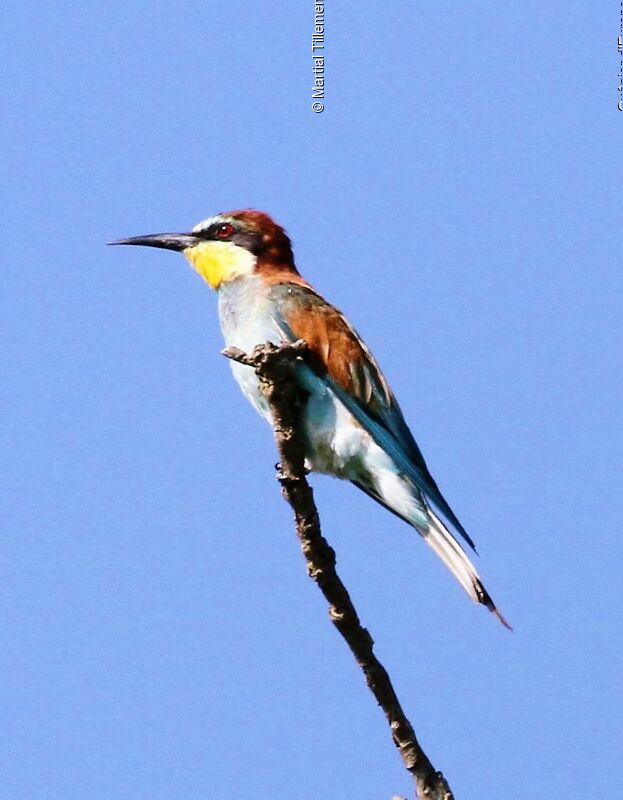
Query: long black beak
[[167, 241]]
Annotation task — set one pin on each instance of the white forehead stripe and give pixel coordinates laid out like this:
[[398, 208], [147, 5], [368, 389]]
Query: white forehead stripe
[[205, 223]]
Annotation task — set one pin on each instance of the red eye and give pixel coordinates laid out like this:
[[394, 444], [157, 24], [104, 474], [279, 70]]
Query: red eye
[[224, 231]]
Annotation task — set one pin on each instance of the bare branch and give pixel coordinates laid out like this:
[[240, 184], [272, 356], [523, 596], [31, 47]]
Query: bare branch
[[274, 366]]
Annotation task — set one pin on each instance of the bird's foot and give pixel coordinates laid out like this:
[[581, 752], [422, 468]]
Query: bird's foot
[[281, 476]]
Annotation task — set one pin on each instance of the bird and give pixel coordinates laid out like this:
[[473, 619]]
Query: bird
[[351, 424]]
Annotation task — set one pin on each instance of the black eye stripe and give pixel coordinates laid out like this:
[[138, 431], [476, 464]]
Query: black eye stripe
[[218, 231]]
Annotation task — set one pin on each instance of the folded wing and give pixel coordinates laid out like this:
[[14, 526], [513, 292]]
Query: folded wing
[[348, 367]]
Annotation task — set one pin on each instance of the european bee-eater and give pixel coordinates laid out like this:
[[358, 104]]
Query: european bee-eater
[[351, 423]]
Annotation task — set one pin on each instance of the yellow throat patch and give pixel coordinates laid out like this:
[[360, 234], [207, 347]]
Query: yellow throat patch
[[220, 262]]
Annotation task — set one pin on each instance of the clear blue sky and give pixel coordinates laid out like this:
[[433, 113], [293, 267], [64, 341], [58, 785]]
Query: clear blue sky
[[460, 200]]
